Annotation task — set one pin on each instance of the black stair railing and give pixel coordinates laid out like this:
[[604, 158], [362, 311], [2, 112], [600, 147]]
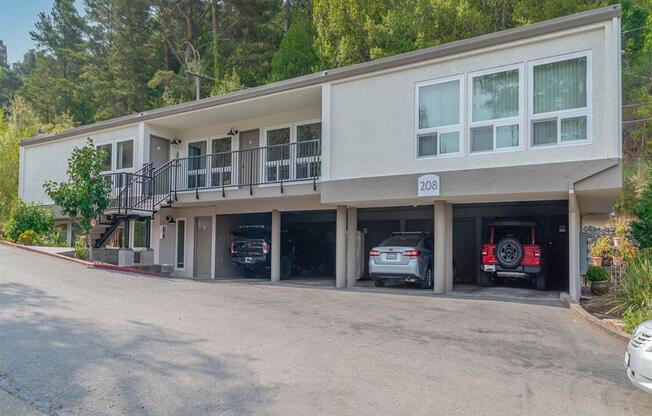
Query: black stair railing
[[146, 189]]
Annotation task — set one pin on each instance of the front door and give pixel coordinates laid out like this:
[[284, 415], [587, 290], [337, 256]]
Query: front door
[[249, 157], [203, 244]]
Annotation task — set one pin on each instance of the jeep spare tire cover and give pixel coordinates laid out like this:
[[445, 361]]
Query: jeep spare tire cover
[[509, 252]]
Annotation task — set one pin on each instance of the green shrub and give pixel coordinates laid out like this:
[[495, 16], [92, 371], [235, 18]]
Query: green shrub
[[634, 292], [28, 216], [81, 249], [28, 238], [601, 247], [52, 239], [597, 274], [633, 318]]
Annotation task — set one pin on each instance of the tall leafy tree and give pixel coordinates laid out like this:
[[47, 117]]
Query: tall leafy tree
[[85, 195], [296, 54], [59, 36]]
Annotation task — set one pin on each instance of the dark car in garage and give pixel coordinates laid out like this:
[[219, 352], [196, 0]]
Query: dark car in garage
[[301, 251], [512, 251]]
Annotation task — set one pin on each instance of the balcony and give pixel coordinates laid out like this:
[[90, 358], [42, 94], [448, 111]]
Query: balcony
[[146, 189]]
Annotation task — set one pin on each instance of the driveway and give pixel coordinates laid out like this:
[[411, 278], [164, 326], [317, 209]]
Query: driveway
[[79, 341]]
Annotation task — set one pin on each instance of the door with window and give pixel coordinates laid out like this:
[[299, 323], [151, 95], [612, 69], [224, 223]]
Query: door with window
[[249, 158], [277, 155]]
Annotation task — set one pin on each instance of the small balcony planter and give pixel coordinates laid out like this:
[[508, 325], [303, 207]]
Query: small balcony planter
[[599, 279], [596, 261]]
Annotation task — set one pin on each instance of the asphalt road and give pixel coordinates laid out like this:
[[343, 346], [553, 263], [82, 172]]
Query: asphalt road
[[78, 341]]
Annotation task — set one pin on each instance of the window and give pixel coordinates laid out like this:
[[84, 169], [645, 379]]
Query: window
[[221, 162], [197, 165], [141, 231], [439, 117], [277, 159], [495, 110], [108, 149], [61, 230], [308, 150], [560, 101], [180, 243], [125, 155]]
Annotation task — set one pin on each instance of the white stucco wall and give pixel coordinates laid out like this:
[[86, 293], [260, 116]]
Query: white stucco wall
[[48, 161], [372, 123]]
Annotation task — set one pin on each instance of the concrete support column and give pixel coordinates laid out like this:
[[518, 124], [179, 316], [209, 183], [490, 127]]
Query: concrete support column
[[449, 248], [574, 228], [478, 247], [276, 246], [440, 247], [351, 246], [340, 248]]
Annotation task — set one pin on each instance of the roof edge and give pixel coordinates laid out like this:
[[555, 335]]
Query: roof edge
[[408, 58]]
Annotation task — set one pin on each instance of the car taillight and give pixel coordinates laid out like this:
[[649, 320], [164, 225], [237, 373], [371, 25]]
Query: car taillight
[[265, 247], [412, 253], [532, 256], [489, 254], [374, 253]]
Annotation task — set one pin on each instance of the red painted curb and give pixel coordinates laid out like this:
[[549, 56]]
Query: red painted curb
[[95, 265]]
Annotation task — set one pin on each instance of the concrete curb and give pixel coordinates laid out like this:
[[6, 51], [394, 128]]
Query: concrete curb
[[95, 265], [582, 313]]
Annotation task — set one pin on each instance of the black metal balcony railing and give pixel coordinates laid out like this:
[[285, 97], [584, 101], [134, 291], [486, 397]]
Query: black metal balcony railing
[[147, 188]]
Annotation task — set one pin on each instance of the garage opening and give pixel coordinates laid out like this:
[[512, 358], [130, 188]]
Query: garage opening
[[377, 225], [532, 235], [308, 247], [246, 234], [243, 246]]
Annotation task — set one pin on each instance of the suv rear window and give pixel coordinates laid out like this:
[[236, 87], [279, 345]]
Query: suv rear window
[[402, 240], [522, 234], [252, 232]]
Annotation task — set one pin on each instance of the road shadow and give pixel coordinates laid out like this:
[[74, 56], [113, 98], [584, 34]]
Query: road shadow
[[68, 366]]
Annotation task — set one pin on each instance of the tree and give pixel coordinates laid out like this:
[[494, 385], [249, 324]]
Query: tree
[[53, 88], [85, 195], [296, 55]]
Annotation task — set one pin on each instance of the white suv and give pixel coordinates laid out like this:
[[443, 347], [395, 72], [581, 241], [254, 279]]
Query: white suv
[[638, 358]]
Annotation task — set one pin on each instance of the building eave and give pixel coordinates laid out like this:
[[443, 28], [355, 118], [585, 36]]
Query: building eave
[[404, 59]]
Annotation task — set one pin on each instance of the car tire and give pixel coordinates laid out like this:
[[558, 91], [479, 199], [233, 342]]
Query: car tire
[[542, 281], [485, 279], [509, 252], [428, 281], [379, 282]]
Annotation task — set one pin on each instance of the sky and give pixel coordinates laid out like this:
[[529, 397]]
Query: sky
[[17, 18]]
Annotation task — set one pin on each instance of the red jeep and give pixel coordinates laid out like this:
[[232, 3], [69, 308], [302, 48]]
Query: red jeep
[[513, 252]]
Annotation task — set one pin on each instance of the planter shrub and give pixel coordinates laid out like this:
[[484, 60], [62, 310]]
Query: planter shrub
[[597, 274]]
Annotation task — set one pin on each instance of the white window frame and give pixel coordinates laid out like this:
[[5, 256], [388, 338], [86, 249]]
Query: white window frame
[[299, 160], [198, 172], [219, 169], [115, 154], [498, 122], [132, 235], [442, 129], [563, 114], [176, 243], [112, 144], [281, 162]]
